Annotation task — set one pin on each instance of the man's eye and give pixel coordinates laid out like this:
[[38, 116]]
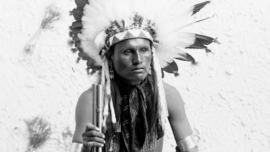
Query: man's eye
[[144, 50], [127, 52]]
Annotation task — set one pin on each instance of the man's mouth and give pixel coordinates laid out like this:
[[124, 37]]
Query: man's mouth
[[137, 70]]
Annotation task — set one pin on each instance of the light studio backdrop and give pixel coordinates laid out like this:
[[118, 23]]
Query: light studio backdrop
[[226, 94]]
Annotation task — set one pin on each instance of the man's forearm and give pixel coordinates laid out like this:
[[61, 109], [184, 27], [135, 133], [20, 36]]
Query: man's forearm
[[195, 149]]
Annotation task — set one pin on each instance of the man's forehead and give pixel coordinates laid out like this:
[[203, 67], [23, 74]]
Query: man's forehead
[[136, 42]]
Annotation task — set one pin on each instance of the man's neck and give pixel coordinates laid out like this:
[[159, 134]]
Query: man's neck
[[129, 82]]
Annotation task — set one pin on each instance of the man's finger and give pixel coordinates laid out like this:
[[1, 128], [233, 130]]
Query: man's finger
[[92, 144], [93, 133], [90, 126], [94, 139]]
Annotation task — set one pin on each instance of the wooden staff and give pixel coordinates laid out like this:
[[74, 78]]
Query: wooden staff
[[97, 110]]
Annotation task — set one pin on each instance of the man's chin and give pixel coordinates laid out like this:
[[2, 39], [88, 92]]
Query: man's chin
[[136, 79], [140, 77]]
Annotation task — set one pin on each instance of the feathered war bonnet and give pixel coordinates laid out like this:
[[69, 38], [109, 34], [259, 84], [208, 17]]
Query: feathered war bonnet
[[102, 23]]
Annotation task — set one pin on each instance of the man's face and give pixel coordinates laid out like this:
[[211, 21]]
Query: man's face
[[132, 59]]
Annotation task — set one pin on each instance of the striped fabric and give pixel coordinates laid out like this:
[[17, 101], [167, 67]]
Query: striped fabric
[[125, 118]]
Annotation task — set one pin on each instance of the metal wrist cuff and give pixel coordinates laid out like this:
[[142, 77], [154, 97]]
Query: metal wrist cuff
[[77, 147], [187, 143]]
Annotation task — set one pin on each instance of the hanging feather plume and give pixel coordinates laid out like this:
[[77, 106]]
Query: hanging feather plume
[[162, 104]]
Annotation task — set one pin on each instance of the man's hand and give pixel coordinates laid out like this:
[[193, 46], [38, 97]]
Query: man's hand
[[92, 137]]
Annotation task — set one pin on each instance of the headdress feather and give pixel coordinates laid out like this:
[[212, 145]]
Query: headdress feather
[[169, 20]]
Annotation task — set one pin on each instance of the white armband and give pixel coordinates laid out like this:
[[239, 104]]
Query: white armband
[[76, 147], [188, 143]]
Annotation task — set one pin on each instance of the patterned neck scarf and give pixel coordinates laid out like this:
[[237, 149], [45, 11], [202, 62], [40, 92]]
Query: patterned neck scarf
[[142, 119]]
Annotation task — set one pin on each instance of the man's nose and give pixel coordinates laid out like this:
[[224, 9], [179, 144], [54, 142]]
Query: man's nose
[[137, 59]]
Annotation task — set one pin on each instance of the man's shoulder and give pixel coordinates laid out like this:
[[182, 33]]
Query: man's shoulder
[[174, 100], [84, 100], [170, 91], [86, 94]]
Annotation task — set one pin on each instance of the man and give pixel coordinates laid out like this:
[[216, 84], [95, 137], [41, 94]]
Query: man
[[131, 60], [131, 51]]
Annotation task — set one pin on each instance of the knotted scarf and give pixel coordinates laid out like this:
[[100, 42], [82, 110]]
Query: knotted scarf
[[142, 112]]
